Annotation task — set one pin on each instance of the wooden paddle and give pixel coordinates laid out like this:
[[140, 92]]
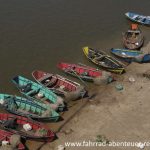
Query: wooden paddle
[[78, 77], [94, 69]]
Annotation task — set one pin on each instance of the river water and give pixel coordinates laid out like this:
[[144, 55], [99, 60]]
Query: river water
[[37, 34]]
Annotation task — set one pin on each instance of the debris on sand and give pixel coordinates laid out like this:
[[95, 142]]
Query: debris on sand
[[60, 147], [102, 139], [140, 145], [147, 74], [119, 87], [131, 79], [68, 131]]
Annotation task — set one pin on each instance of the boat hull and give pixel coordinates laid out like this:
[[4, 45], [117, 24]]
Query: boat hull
[[86, 73], [37, 92], [133, 39], [27, 108], [20, 121], [125, 53], [58, 84], [118, 69], [138, 18]]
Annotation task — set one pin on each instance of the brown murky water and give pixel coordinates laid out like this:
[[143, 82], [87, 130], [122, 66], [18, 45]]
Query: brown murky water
[[38, 34]]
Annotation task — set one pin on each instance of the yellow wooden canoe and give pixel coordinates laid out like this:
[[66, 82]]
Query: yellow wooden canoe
[[103, 60]]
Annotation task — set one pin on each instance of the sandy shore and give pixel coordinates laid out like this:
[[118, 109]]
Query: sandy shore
[[117, 115]]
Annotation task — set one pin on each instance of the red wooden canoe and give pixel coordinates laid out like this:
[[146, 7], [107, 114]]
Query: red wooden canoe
[[56, 83], [5, 136], [15, 124], [85, 72]]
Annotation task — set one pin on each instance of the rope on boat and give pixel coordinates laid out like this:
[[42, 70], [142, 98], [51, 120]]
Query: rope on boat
[[79, 77], [74, 95], [84, 65], [104, 79]]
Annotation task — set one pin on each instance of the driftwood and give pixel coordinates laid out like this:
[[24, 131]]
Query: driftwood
[[147, 74]]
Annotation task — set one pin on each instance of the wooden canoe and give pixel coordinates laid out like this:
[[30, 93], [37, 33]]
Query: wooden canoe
[[58, 84], [37, 92], [6, 135], [126, 53], [14, 124], [24, 107], [133, 38], [138, 18], [103, 60], [84, 72]]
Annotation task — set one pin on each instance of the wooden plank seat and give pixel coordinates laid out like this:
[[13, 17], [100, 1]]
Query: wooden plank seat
[[23, 111], [52, 82], [45, 77], [31, 92], [43, 99], [27, 112]]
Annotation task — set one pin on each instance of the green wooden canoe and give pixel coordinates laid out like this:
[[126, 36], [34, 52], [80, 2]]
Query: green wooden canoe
[[37, 92], [24, 107]]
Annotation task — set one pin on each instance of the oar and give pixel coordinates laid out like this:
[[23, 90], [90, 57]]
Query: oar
[[95, 69], [79, 78], [82, 64]]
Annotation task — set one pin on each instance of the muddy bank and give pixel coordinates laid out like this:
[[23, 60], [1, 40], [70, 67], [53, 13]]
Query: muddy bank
[[117, 115]]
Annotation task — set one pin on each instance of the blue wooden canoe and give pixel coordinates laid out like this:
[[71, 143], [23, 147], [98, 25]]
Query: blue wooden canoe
[[126, 53], [28, 108], [138, 18], [37, 92]]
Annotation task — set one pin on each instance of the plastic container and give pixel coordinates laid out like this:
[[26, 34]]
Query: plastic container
[[119, 87], [27, 127], [5, 143], [2, 101]]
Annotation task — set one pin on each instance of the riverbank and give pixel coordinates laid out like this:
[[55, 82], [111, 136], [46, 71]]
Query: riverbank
[[116, 115]]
